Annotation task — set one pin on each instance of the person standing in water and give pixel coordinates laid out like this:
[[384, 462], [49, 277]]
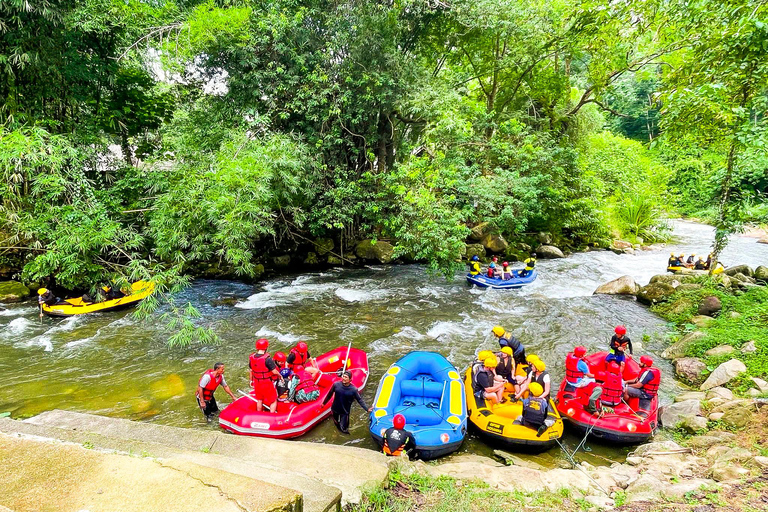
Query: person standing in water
[[209, 381], [344, 393]]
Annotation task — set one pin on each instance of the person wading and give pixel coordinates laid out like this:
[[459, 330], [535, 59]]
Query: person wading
[[209, 381], [398, 440], [343, 394]]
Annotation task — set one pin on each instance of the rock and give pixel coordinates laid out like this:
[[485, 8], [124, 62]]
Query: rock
[[672, 414], [719, 350], [514, 460], [334, 260], [702, 321], [479, 231], [226, 301], [754, 393], [653, 293], [690, 369], [549, 252], [600, 502], [680, 347], [724, 373], [379, 250], [311, 259], [737, 417], [734, 314], [624, 285], [324, 245], [710, 306], [763, 240], [645, 488], [634, 461], [731, 404], [715, 452], [737, 453], [544, 238], [13, 291], [743, 278], [474, 250], [681, 489], [714, 402], [494, 243], [720, 392], [705, 441], [761, 274], [282, 261], [694, 424], [761, 384], [739, 269], [761, 461], [688, 287], [716, 416], [728, 472], [621, 244], [749, 347], [690, 395]]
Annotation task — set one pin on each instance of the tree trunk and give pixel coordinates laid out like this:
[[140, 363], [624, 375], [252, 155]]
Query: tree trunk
[[126, 147]]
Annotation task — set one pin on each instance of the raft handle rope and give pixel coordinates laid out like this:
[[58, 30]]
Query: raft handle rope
[[573, 462]]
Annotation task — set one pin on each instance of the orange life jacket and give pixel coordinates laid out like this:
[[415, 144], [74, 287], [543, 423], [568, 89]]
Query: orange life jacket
[[259, 370], [300, 358], [212, 384], [612, 390], [572, 372], [652, 388]]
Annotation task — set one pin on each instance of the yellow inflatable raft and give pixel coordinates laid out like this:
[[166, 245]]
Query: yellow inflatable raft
[[675, 270], [71, 307], [494, 422]]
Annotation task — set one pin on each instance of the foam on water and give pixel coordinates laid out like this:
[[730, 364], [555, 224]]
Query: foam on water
[[14, 312], [77, 343], [287, 337], [360, 295], [17, 326], [277, 295]]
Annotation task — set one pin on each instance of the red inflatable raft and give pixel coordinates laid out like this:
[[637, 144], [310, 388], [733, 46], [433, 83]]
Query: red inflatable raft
[[291, 419], [630, 423]]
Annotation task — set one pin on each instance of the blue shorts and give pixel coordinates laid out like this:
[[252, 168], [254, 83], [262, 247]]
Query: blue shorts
[[619, 358]]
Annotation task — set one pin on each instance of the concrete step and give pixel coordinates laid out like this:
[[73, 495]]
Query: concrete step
[[42, 474], [348, 469]]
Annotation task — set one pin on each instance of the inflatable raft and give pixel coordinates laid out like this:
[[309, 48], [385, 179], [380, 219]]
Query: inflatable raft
[[291, 419], [494, 422], [675, 270], [630, 423], [483, 281], [72, 307], [426, 389]]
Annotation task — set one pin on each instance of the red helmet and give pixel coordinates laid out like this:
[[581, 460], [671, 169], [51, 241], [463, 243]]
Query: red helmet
[[262, 344], [506, 263], [298, 368], [613, 368], [579, 351], [495, 258], [646, 361], [279, 357], [398, 421], [301, 347], [620, 330]]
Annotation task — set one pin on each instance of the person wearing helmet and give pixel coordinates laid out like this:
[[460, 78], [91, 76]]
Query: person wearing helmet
[[507, 339], [536, 413], [530, 263], [708, 263], [46, 296], [506, 271], [612, 390], [281, 386], [620, 342], [111, 294], [700, 264], [299, 355], [577, 373], [690, 261], [506, 367], [485, 385], [672, 261], [474, 266], [343, 393], [302, 386], [280, 360], [264, 374], [493, 267], [646, 385], [538, 375], [209, 381], [398, 440]]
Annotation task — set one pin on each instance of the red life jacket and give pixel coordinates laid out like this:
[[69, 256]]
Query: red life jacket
[[259, 370], [212, 384], [612, 390], [652, 388], [299, 358], [306, 382], [572, 373]]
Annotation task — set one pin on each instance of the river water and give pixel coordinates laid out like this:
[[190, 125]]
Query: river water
[[114, 365]]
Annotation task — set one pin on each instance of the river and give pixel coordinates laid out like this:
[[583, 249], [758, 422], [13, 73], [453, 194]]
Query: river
[[114, 365]]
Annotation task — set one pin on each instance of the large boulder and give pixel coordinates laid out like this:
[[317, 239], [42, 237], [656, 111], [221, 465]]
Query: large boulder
[[719, 350], [693, 424], [690, 395], [653, 293], [739, 269], [549, 252], [282, 261], [478, 232], [544, 238], [379, 250], [710, 305], [624, 285], [749, 347], [702, 321], [738, 415], [720, 392], [760, 384], [672, 414], [761, 274], [323, 246], [474, 250], [680, 347], [13, 291], [724, 374], [494, 243], [311, 259], [621, 244], [690, 369]]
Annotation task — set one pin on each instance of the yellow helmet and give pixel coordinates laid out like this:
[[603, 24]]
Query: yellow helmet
[[498, 331], [535, 388], [490, 362], [531, 358], [42, 291], [539, 365], [105, 288], [506, 350], [484, 354], [672, 254], [681, 255]]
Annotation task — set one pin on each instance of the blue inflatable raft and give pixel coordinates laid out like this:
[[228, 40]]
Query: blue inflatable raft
[[484, 281], [426, 389]]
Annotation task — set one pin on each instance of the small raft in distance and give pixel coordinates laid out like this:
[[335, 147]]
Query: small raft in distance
[[483, 281], [76, 306]]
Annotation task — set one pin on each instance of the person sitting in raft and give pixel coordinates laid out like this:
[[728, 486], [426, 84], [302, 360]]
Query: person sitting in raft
[[485, 384], [264, 374], [673, 261], [506, 271], [535, 413], [281, 386], [110, 293], [280, 360], [681, 259], [506, 367], [619, 345], [577, 370], [507, 339], [612, 390], [596, 392], [708, 262], [492, 270], [646, 385], [299, 356], [530, 263], [398, 440], [690, 261], [538, 375], [474, 266], [209, 381], [303, 388], [700, 264], [344, 393], [46, 296]]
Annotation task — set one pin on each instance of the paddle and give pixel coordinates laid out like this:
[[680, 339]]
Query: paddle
[[346, 358]]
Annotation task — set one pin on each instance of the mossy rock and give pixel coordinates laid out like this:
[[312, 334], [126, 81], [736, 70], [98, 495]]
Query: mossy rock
[[324, 245], [13, 291], [311, 259], [370, 250], [474, 250]]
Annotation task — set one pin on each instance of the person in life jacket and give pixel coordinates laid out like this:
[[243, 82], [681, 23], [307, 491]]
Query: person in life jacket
[[539, 375], [506, 272], [46, 296], [577, 370], [672, 261], [264, 373], [302, 386], [530, 263], [620, 342], [280, 360], [690, 261], [492, 267], [613, 388], [506, 367], [535, 413], [299, 356], [507, 339], [398, 440], [700, 264], [708, 263], [281, 386], [474, 266], [209, 381], [485, 384], [646, 385]]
